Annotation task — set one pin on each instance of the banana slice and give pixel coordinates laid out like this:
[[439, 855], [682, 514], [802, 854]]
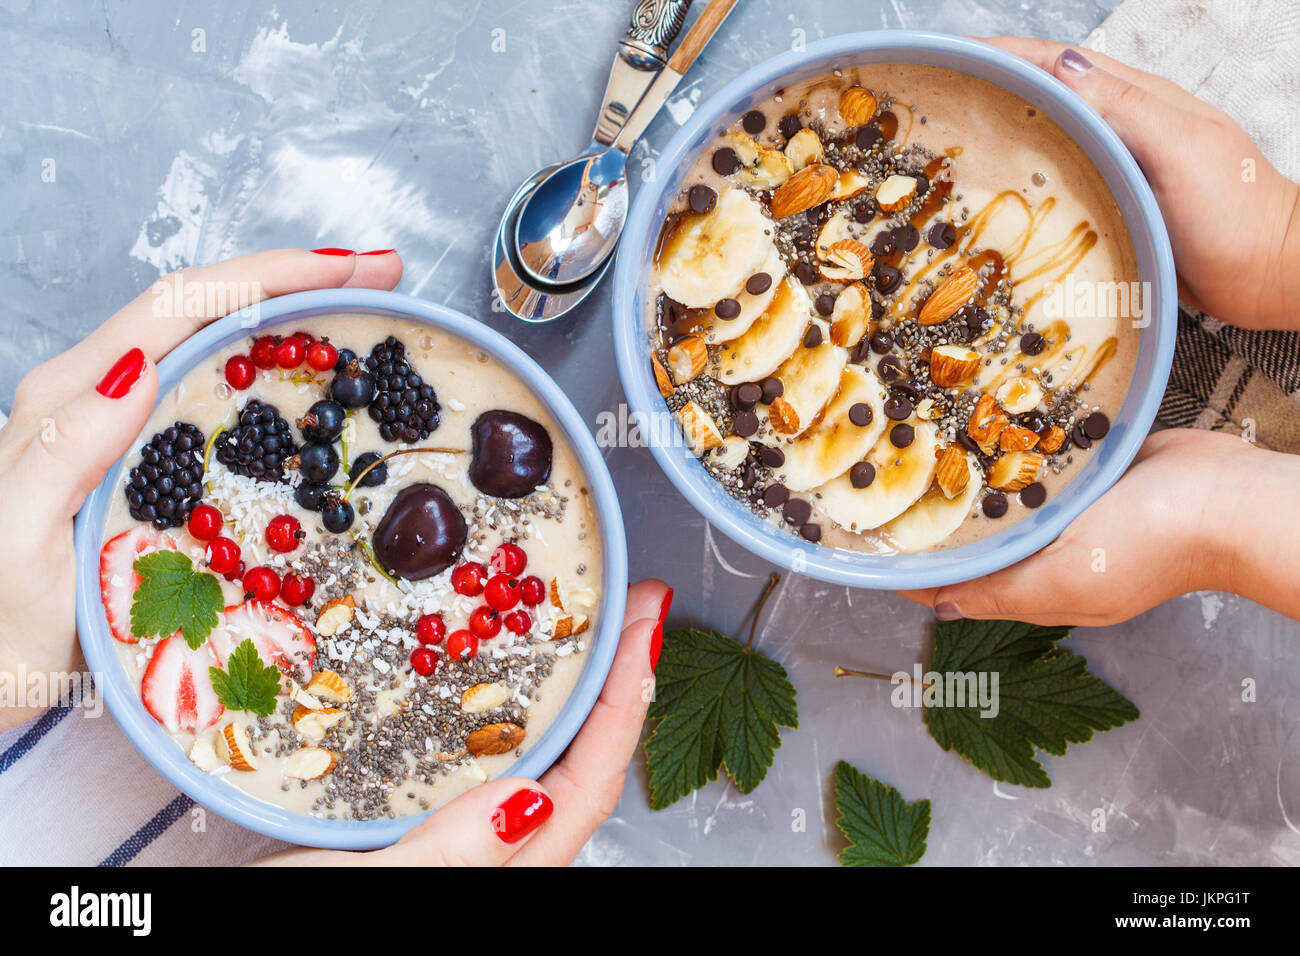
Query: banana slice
[[835, 444], [902, 476], [935, 516], [751, 306], [810, 377], [770, 340], [708, 257]]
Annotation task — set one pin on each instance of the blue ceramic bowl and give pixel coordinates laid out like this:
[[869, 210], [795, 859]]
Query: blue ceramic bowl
[[149, 736], [1131, 422]]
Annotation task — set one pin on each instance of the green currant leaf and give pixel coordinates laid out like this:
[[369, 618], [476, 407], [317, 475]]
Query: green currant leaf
[[247, 683], [882, 829], [173, 597]]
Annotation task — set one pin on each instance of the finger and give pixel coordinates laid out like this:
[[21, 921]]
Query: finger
[[485, 826], [1038, 590], [588, 780], [921, 596], [381, 269], [75, 446]]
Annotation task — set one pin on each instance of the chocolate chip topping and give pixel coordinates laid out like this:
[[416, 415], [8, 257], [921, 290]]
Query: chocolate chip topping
[[813, 337], [897, 408], [811, 532], [862, 474], [1080, 437], [805, 273], [887, 277], [725, 161], [702, 199], [775, 496], [889, 368], [746, 395], [772, 389], [789, 125], [758, 283], [796, 511], [882, 343], [909, 390], [1031, 343], [865, 213], [883, 244], [753, 122], [1096, 426], [825, 303], [867, 137], [900, 436], [942, 235], [906, 237], [861, 414], [772, 457], [745, 424], [995, 505], [1031, 496], [727, 309]]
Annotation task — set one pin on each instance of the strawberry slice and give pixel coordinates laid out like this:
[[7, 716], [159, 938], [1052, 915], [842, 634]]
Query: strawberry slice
[[117, 577], [280, 638], [177, 688]]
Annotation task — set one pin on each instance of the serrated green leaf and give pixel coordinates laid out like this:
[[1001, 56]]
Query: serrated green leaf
[[246, 683], [1047, 699], [882, 828], [173, 597], [718, 706]]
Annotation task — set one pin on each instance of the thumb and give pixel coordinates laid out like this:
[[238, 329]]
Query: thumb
[[73, 449], [1041, 589], [484, 827], [1137, 115]]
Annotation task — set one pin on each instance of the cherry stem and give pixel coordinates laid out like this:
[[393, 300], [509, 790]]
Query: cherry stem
[[347, 492], [850, 672], [773, 580]]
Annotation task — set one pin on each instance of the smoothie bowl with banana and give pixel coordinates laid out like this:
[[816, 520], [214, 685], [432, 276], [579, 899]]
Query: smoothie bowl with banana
[[356, 566], [893, 308]]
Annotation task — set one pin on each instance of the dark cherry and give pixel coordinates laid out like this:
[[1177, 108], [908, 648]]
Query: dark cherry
[[511, 454], [421, 534]]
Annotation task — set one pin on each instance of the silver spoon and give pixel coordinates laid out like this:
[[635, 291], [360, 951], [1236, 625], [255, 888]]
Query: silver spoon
[[571, 221]]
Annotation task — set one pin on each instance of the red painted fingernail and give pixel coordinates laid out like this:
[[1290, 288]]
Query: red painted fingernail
[[657, 638], [334, 252], [524, 812], [377, 252], [123, 375]]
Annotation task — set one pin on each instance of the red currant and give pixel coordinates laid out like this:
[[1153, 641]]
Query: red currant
[[484, 623], [306, 338], [289, 353], [283, 533], [240, 371], [461, 645], [263, 351], [430, 629], [223, 555], [262, 583], [295, 590], [205, 522], [424, 661], [532, 590], [236, 575], [468, 579], [519, 622], [322, 356], [509, 559], [501, 592]]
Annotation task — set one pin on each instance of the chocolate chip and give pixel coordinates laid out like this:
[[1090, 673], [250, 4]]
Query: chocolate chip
[[1031, 343], [1096, 426], [813, 337], [883, 244], [1080, 437], [789, 125], [725, 161], [748, 479], [727, 309], [702, 198], [745, 424], [861, 352], [909, 390], [796, 511], [825, 303], [772, 457], [811, 532], [942, 235], [861, 414], [814, 215], [772, 389], [922, 184], [995, 505], [887, 277], [968, 443], [753, 122], [900, 436], [877, 309], [906, 237], [758, 283], [867, 137], [805, 273], [862, 474], [775, 496], [890, 368], [1034, 421], [897, 407], [1031, 496], [746, 395], [865, 213], [882, 343]]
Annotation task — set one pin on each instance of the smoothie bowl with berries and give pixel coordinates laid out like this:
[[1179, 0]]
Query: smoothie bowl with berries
[[364, 557], [909, 304]]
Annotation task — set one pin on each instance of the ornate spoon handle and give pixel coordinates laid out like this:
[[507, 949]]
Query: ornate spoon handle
[[642, 53]]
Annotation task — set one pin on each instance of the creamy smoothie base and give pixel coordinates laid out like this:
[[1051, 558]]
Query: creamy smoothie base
[[395, 741], [883, 308]]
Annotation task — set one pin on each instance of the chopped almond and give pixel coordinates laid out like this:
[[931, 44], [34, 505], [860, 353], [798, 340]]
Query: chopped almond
[[686, 359], [330, 686], [1014, 470]]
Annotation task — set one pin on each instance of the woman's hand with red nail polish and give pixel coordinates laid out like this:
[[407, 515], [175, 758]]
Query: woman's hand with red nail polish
[[544, 823], [76, 414]]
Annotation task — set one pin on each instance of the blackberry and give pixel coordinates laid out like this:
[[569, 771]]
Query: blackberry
[[259, 444], [405, 407], [164, 488]]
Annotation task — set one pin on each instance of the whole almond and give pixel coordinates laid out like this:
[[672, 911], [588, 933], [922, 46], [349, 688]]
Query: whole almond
[[954, 292], [857, 105], [495, 739], [951, 364], [951, 472], [809, 187]]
